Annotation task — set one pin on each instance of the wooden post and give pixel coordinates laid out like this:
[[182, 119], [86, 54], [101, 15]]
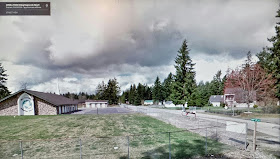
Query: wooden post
[[206, 143], [80, 141], [21, 150], [246, 129], [169, 146], [128, 147], [254, 137]]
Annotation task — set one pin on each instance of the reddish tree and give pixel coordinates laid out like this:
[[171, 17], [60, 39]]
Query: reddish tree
[[252, 80]]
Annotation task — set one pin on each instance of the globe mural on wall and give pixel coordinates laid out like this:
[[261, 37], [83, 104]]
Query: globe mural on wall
[[26, 105]]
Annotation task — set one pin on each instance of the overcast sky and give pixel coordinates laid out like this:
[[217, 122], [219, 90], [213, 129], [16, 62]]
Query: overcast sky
[[84, 43]]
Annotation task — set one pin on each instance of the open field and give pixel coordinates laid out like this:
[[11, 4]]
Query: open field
[[102, 136]]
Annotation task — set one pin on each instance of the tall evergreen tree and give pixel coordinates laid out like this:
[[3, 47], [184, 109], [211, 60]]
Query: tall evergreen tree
[[269, 58], [157, 91], [124, 96], [108, 91], [217, 84], [137, 99], [140, 91], [275, 56], [167, 87], [148, 93], [132, 93], [3, 79], [184, 79], [113, 91], [101, 91]]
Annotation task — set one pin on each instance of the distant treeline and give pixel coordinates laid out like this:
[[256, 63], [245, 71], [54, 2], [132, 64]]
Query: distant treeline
[[109, 91], [161, 91]]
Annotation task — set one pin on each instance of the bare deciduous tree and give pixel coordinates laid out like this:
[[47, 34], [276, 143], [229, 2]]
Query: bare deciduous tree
[[252, 79]]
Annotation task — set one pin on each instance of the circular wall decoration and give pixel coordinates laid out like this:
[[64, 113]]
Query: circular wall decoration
[[25, 105]]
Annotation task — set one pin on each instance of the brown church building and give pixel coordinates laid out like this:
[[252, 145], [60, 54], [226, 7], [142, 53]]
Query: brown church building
[[27, 102]]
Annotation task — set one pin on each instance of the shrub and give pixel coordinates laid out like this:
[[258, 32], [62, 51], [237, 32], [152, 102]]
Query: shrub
[[223, 104], [271, 109], [255, 106]]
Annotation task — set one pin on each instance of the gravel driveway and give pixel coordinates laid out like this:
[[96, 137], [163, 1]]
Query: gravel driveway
[[268, 141]]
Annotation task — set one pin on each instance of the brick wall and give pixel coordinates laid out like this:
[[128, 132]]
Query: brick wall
[[9, 106], [44, 108]]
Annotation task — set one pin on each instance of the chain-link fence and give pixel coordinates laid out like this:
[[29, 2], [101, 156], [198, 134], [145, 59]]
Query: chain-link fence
[[215, 129], [234, 134], [193, 143], [179, 144], [198, 137]]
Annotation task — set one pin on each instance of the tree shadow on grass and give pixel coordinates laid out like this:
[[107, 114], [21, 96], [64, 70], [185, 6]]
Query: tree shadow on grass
[[185, 149]]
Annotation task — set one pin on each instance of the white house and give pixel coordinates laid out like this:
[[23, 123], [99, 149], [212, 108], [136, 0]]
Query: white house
[[236, 97], [216, 100], [170, 104]]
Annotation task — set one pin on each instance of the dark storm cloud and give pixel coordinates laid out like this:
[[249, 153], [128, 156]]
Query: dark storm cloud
[[96, 35]]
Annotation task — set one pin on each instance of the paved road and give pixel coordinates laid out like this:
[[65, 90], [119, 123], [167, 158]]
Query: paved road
[[266, 128], [112, 110]]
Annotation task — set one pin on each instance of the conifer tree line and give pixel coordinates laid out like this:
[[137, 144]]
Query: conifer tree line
[[161, 91], [180, 88], [109, 91]]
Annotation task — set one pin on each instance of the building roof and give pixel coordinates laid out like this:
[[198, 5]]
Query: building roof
[[149, 101], [48, 97], [90, 100], [216, 98], [168, 102], [96, 101]]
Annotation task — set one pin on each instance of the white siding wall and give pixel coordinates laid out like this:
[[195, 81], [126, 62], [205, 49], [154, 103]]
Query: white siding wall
[[96, 104], [216, 104]]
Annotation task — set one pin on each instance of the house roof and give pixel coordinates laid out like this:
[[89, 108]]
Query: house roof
[[48, 97], [149, 101], [168, 102], [216, 98]]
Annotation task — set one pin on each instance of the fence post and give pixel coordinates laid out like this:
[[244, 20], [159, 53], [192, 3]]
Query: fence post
[[80, 148], [216, 135], [97, 111], [254, 136], [169, 146], [206, 143], [128, 147], [246, 129], [21, 150]]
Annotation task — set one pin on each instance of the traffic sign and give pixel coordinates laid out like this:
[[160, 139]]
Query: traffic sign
[[256, 120]]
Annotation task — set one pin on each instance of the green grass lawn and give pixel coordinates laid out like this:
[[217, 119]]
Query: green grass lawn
[[102, 136]]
